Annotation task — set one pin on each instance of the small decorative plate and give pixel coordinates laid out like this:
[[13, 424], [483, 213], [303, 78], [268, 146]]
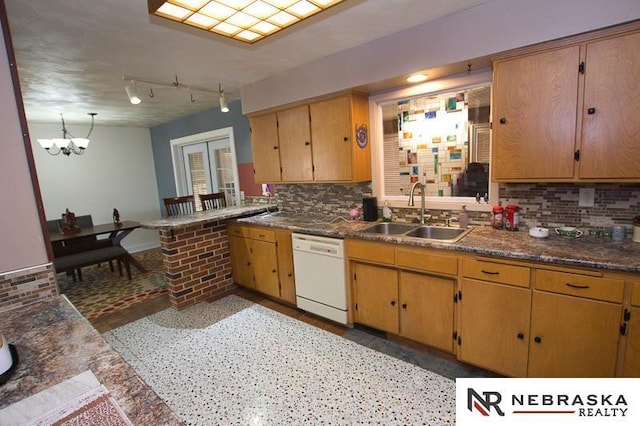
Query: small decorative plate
[[361, 136]]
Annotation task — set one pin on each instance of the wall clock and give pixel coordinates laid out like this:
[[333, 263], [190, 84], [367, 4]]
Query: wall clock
[[361, 136]]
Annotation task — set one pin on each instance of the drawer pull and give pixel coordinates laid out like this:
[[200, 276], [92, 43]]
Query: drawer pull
[[576, 285], [404, 306], [261, 235], [490, 272], [520, 336]]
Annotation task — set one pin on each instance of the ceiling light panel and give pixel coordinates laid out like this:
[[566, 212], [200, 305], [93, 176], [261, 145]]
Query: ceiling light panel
[[245, 20]]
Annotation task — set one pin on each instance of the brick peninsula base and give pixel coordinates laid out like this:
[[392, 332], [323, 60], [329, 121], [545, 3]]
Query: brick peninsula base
[[195, 252], [197, 262]]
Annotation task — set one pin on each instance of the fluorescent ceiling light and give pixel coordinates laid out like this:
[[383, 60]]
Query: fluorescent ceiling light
[[245, 20]]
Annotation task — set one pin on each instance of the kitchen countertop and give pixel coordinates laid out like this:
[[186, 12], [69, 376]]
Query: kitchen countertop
[[54, 343], [586, 251], [182, 221]]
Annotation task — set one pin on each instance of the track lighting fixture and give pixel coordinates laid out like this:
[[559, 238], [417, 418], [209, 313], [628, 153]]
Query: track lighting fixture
[[132, 93], [223, 101], [67, 144]]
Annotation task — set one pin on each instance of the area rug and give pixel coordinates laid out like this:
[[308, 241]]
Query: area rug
[[102, 292], [80, 400], [235, 362]]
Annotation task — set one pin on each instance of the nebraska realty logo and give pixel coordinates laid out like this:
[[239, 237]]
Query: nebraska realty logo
[[561, 401]]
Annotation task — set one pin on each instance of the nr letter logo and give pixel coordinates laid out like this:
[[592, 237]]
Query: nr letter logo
[[484, 404]]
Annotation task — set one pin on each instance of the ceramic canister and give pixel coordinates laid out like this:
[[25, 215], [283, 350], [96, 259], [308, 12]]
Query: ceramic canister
[[618, 232]]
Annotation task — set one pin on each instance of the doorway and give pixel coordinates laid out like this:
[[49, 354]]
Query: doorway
[[206, 163]]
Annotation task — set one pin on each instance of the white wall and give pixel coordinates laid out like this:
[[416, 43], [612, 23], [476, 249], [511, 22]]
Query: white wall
[[116, 171], [22, 242], [489, 28]]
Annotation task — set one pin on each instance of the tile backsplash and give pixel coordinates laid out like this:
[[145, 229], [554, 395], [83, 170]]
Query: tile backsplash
[[548, 205]]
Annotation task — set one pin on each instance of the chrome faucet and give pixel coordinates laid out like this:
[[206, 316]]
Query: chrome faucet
[[422, 200]]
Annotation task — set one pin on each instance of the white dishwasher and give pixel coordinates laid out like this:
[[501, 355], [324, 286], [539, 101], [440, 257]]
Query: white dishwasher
[[321, 285]]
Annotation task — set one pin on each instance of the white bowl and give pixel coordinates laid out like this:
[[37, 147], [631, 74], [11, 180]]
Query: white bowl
[[539, 232]]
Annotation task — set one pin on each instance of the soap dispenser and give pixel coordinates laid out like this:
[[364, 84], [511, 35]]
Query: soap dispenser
[[387, 214], [464, 218]]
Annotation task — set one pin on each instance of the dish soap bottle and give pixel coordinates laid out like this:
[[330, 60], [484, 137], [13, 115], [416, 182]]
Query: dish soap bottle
[[387, 214], [464, 218]]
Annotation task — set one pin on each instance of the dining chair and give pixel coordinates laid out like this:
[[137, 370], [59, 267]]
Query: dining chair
[[180, 205], [213, 201]]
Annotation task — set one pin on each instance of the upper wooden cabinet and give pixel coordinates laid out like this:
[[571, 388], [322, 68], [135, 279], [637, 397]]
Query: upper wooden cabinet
[[313, 142], [569, 112]]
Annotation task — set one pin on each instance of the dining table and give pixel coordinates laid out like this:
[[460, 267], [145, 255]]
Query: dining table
[[115, 233]]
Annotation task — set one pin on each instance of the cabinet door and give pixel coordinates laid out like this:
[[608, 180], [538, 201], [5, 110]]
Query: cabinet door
[[426, 309], [295, 144], [610, 147], [241, 269], [376, 296], [573, 337], [631, 365], [494, 326], [331, 134], [285, 266], [266, 153], [534, 115], [265, 267]]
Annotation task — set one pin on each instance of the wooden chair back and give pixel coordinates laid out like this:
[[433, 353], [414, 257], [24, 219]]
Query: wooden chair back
[[177, 206], [213, 201]]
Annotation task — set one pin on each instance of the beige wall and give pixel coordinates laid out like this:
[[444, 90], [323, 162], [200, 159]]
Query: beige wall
[[21, 240]]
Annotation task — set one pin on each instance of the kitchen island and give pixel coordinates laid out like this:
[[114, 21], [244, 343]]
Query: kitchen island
[[195, 252], [55, 343]]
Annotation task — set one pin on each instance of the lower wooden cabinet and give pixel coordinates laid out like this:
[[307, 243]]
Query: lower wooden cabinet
[[493, 328], [426, 309], [631, 364], [573, 337], [375, 296], [262, 259]]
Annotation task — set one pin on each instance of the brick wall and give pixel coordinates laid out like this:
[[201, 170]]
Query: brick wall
[[26, 286], [197, 262]]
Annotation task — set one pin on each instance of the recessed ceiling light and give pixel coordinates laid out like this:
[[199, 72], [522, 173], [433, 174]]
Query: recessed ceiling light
[[417, 78], [232, 18]]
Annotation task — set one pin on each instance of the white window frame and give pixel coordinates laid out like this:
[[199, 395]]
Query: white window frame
[[177, 157], [478, 78]]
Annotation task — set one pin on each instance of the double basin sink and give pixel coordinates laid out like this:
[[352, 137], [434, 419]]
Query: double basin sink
[[435, 233]]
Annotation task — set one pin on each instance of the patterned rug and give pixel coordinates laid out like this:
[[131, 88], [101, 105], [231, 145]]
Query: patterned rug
[[102, 292]]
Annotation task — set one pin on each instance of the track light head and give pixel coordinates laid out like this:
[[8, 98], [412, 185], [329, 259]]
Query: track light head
[[223, 101], [132, 93]]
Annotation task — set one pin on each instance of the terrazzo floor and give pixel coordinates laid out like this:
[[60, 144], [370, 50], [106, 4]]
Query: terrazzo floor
[[235, 362]]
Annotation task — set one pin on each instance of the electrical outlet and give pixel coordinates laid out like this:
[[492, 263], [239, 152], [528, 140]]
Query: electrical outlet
[[587, 197]]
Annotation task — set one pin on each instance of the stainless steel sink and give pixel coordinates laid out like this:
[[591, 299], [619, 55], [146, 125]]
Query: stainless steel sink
[[389, 228], [438, 233]]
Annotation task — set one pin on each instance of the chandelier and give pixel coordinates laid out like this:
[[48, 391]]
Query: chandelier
[[68, 144]]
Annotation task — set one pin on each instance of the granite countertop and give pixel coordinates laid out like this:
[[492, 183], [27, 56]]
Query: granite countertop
[[586, 251], [182, 221], [54, 343]]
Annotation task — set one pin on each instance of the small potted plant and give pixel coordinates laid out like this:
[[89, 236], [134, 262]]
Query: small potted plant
[[636, 229]]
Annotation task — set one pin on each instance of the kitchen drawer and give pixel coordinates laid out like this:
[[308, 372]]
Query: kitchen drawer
[[496, 272], [426, 260], [238, 230], [262, 234], [635, 294], [373, 252], [590, 287]]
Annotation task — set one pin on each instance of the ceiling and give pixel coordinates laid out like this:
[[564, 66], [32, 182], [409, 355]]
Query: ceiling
[[72, 54]]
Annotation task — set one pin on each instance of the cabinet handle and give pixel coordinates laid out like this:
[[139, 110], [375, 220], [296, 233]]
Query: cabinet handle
[[404, 306], [490, 272], [537, 339], [307, 143], [503, 120], [289, 274], [393, 303], [274, 271], [591, 111], [520, 336], [346, 139], [275, 147], [261, 235], [576, 285]]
